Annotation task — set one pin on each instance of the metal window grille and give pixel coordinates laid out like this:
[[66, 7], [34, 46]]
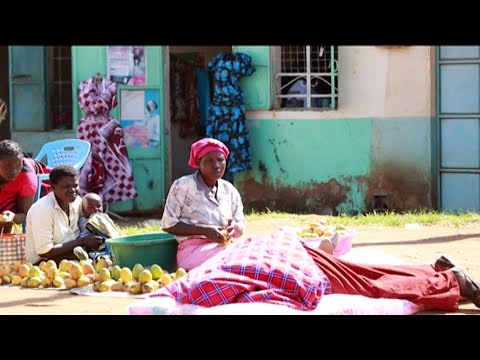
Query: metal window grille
[[60, 87], [307, 77]]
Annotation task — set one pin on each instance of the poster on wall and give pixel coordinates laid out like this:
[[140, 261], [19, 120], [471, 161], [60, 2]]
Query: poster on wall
[[140, 117], [126, 64]]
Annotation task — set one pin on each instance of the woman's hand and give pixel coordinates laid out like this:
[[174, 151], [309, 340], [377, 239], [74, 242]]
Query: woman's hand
[[233, 229], [216, 234], [7, 216]]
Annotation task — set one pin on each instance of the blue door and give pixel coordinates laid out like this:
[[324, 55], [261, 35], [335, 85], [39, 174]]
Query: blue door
[[27, 88], [458, 119]]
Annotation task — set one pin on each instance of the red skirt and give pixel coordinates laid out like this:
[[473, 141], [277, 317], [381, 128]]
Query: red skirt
[[420, 284]]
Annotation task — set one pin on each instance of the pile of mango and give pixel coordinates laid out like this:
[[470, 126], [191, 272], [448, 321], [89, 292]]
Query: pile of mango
[[322, 230], [76, 274], [139, 280]]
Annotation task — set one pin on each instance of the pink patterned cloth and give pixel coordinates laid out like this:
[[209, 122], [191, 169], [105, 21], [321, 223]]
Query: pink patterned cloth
[[107, 170], [273, 268], [194, 252]]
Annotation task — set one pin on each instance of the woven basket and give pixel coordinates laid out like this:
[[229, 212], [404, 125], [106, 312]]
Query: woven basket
[[12, 247]]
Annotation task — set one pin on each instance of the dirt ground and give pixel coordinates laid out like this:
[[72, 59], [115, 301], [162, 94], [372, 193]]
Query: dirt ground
[[424, 245]]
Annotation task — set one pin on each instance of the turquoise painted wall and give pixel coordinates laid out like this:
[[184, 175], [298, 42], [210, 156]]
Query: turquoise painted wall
[[336, 165], [305, 150], [32, 142], [402, 161]]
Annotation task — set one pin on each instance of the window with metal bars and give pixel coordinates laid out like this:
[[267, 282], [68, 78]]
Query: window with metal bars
[[59, 62], [306, 77]]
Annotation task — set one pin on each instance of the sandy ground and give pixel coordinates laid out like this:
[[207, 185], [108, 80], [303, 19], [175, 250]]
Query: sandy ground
[[424, 245]]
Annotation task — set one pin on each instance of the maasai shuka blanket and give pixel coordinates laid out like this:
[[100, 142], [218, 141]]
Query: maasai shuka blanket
[[273, 268], [107, 170]]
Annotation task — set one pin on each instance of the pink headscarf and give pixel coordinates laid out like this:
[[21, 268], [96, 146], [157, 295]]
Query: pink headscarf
[[202, 147]]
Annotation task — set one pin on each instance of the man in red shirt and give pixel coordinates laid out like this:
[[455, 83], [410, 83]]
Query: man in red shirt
[[18, 184]]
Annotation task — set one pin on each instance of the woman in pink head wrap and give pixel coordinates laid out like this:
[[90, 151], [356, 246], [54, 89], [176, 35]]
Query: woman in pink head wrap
[[203, 210]]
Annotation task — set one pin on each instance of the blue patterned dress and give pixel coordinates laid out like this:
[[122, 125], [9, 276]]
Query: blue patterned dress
[[226, 114]]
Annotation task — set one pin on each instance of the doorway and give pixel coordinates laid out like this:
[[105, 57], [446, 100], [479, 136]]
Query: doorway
[[190, 88]]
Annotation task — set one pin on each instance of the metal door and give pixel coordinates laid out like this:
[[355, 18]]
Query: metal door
[[27, 88], [458, 121]]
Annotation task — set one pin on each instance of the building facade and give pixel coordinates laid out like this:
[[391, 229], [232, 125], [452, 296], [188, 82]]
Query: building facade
[[342, 129]]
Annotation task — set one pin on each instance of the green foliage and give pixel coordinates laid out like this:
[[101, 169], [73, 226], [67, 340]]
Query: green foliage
[[138, 229], [378, 219], [373, 219]]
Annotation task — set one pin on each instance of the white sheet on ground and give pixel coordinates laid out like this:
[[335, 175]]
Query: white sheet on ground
[[333, 304]]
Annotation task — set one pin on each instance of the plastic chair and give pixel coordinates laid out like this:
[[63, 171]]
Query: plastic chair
[[72, 152]]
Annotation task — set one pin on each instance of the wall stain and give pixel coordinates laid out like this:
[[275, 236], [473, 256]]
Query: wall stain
[[263, 170], [277, 158], [405, 188], [151, 185], [320, 198]]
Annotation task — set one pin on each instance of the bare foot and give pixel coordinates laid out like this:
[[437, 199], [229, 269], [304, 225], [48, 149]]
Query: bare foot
[[326, 245]]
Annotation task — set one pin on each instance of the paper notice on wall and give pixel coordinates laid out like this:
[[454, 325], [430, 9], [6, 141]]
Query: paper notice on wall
[[126, 64]]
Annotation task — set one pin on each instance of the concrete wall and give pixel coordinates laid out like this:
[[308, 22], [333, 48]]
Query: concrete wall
[[378, 144]]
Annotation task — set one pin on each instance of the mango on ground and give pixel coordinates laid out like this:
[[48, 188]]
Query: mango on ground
[[180, 272], [104, 274], [156, 271], [137, 269], [101, 264], [126, 275], [115, 272], [145, 276], [149, 287], [75, 271], [70, 283]]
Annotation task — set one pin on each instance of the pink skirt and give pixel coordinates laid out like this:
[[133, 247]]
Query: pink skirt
[[194, 252]]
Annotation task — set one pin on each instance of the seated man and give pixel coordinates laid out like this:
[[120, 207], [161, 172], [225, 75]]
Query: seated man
[[52, 222]]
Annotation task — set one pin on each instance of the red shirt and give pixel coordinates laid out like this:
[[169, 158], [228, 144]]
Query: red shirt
[[24, 185]]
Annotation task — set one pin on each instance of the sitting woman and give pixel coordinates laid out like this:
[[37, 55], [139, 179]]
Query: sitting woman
[[202, 210], [52, 222], [18, 184]]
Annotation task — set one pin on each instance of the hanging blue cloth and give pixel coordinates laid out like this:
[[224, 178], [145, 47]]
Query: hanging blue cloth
[[226, 113]]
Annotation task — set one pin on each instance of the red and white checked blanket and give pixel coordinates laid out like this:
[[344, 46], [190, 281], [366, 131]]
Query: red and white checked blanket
[[273, 268], [107, 170]]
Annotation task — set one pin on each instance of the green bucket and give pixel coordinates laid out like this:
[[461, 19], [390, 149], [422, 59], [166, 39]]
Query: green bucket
[[146, 249]]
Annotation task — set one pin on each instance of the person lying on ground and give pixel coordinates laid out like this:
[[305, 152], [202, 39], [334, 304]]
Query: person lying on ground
[[52, 230], [279, 268], [203, 210]]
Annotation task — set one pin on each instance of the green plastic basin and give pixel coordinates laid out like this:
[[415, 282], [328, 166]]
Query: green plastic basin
[[146, 249]]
